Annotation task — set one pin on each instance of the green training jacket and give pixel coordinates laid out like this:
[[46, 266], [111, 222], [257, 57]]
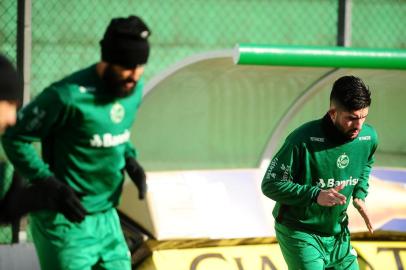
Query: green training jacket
[[314, 157], [85, 136]]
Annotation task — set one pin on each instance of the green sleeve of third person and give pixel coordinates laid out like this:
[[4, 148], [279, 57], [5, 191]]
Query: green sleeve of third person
[[34, 122], [361, 189], [282, 182], [130, 151]]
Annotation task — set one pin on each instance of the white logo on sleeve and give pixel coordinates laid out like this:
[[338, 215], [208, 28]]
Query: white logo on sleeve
[[343, 161], [83, 89], [364, 138], [117, 113], [317, 139], [36, 120]]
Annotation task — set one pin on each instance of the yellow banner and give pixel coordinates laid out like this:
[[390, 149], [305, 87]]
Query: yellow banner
[[371, 256]]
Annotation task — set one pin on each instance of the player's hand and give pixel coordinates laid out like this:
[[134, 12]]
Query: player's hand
[[360, 206], [137, 175], [44, 194], [60, 197], [331, 197]]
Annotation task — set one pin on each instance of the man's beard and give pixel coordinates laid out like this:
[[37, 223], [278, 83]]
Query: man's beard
[[116, 85], [352, 134], [349, 133]]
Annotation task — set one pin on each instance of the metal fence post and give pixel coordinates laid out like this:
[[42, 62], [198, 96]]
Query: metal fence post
[[24, 47], [344, 23], [24, 71]]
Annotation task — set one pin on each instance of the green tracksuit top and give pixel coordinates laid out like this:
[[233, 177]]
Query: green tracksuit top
[[85, 136], [314, 157]]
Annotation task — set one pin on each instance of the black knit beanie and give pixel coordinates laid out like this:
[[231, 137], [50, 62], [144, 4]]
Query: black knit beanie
[[8, 80], [125, 42]]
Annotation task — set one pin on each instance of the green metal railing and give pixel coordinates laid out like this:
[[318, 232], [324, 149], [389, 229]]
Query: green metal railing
[[337, 57]]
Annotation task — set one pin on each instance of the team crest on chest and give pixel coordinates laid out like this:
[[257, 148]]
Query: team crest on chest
[[117, 113], [342, 161]]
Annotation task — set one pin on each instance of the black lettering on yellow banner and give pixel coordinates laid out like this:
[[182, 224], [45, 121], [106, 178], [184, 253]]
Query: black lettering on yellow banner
[[396, 252], [266, 263], [200, 258]]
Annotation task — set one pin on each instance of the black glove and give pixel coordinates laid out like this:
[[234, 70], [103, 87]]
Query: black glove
[[45, 194], [137, 175]]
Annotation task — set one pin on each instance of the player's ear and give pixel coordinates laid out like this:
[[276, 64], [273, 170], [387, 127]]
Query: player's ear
[[332, 112]]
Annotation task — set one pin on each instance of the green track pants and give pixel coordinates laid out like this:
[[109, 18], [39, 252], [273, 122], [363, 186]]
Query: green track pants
[[307, 251], [95, 243]]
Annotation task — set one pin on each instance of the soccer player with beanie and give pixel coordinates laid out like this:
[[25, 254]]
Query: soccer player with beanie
[[83, 123], [320, 167], [8, 93], [8, 107]]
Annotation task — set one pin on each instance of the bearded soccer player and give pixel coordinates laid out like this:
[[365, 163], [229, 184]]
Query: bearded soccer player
[[83, 123], [321, 165]]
